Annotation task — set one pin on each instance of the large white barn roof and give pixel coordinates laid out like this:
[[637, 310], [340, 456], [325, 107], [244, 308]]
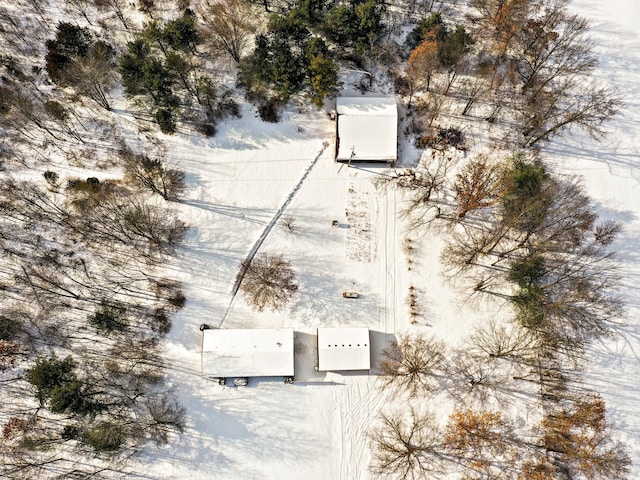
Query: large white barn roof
[[259, 352], [345, 348], [367, 129]]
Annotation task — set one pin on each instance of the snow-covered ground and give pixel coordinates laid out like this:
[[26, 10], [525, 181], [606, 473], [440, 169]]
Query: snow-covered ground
[[611, 172], [317, 428]]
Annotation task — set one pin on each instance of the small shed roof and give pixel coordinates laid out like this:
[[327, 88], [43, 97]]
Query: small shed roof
[[259, 352], [367, 129], [346, 348]]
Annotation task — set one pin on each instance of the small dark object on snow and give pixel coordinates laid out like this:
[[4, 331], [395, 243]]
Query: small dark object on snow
[[350, 294], [204, 326]]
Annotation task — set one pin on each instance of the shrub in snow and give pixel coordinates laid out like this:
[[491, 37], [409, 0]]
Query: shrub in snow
[[9, 328], [105, 437], [51, 177], [269, 111], [166, 120], [49, 374], [109, 318]]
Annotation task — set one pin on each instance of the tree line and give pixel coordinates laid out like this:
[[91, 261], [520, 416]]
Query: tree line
[[520, 236], [526, 64], [78, 266]]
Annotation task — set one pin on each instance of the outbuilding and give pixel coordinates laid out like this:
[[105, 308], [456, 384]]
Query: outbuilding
[[366, 129], [258, 352], [343, 348]]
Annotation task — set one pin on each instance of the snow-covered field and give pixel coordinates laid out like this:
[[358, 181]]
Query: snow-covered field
[[317, 427]]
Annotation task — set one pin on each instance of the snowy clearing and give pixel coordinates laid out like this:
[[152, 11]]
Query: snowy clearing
[[317, 428], [259, 187]]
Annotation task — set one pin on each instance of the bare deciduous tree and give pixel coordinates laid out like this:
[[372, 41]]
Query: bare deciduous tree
[[606, 232], [20, 109], [426, 186], [474, 379], [153, 174], [413, 364], [62, 116], [105, 213], [269, 282], [554, 45], [93, 75], [505, 341], [118, 7], [288, 224], [81, 6], [148, 229], [406, 447], [470, 248], [422, 8], [554, 52], [163, 415], [231, 25], [546, 114], [472, 90]]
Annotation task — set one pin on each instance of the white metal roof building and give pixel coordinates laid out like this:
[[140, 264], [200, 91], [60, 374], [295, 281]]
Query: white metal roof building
[[345, 348], [367, 129], [259, 352]]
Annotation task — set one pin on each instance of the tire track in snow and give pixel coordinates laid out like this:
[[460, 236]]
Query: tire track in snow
[[265, 233], [385, 301], [341, 415], [393, 272], [357, 410], [390, 298]]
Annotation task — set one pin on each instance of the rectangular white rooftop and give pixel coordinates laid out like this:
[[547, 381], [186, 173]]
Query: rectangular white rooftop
[[367, 129], [258, 352], [346, 348]]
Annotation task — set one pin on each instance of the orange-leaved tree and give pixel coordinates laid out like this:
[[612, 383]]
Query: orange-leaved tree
[[481, 441], [423, 62], [578, 439]]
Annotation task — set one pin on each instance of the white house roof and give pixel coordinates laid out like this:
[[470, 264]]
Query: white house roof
[[259, 352], [367, 128], [345, 348]]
